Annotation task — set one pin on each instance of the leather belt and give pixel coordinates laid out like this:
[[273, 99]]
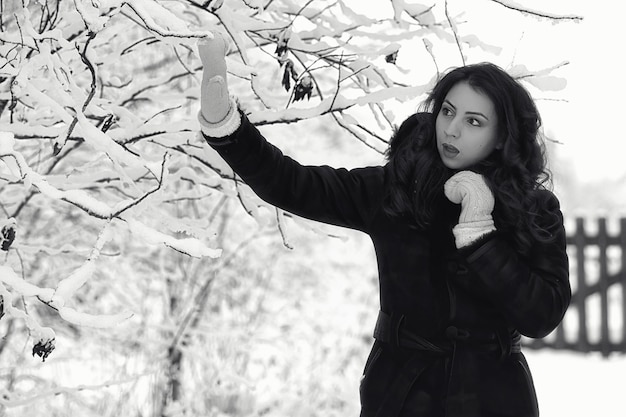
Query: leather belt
[[390, 329]]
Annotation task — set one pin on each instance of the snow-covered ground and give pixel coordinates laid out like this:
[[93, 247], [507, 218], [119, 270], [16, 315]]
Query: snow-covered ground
[[577, 385]]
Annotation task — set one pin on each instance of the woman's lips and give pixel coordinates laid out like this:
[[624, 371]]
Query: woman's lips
[[449, 150]]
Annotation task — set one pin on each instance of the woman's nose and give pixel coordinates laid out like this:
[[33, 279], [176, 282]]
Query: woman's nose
[[452, 129]]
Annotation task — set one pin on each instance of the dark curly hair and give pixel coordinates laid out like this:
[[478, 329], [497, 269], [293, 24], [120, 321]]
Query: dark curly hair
[[515, 173]]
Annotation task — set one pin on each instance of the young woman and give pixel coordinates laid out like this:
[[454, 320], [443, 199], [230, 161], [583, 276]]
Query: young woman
[[470, 245]]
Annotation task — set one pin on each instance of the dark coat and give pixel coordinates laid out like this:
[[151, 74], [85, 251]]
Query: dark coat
[[450, 298]]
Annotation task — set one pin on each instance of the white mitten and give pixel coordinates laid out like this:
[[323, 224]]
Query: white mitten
[[471, 191], [218, 114]]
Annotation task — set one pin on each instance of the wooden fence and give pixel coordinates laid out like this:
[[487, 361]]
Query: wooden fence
[[596, 318]]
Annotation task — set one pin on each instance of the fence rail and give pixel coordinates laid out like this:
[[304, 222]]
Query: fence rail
[[598, 306]]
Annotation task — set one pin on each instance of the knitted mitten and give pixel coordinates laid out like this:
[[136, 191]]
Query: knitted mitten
[[472, 192], [218, 114]]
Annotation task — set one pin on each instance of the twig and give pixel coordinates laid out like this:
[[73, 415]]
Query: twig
[[92, 70], [542, 72], [374, 134], [244, 60], [253, 87], [149, 40], [281, 229], [423, 12], [240, 198], [332, 103], [154, 84], [538, 14], [301, 10], [162, 111], [454, 31], [164, 33], [219, 172], [60, 142], [429, 48], [146, 195], [180, 60], [355, 134]]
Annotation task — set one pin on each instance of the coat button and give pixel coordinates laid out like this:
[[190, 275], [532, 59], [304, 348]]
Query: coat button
[[456, 268]]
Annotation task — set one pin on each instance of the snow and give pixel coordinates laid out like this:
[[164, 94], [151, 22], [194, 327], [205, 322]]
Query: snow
[[102, 142], [571, 384], [42, 99], [101, 321], [68, 286], [7, 141], [190, 246], [90, 15], [26, 289], [81, 199]]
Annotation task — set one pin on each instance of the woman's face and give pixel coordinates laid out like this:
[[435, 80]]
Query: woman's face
[[466, 127]]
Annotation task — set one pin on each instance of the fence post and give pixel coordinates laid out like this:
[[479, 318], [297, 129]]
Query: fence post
[[622, 242], [603, 286], [581, 290]]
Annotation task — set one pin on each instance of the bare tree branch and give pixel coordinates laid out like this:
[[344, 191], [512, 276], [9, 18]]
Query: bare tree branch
[[281, 229], [60, 142], [455, 32]]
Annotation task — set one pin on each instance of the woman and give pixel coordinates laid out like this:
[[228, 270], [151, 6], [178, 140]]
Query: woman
[[470, 245]]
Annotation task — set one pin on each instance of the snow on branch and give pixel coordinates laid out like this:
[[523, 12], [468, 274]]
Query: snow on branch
[[79, 198], [162, 22], [513, 5], [98, 321], [21, 171], [24, 288], [44, 336], [188, 246], [17, 165], [93, 20], [68, 286], [336, 103], [57, 298], [541, 79], [13, 399]]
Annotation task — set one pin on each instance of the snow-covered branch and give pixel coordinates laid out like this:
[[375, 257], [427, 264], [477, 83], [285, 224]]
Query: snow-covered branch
[[162, 22], [12, 400], [513, 5], [44, 337], [334, 104]]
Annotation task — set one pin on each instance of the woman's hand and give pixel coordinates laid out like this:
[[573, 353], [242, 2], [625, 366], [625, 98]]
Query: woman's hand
[[471, 191], [214, 96]]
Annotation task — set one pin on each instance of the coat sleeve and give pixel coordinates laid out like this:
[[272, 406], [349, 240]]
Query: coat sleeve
[[341, 197], [533, 292]]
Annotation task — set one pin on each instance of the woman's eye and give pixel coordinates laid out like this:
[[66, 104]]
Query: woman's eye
[[474, 122], [446, 111]]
